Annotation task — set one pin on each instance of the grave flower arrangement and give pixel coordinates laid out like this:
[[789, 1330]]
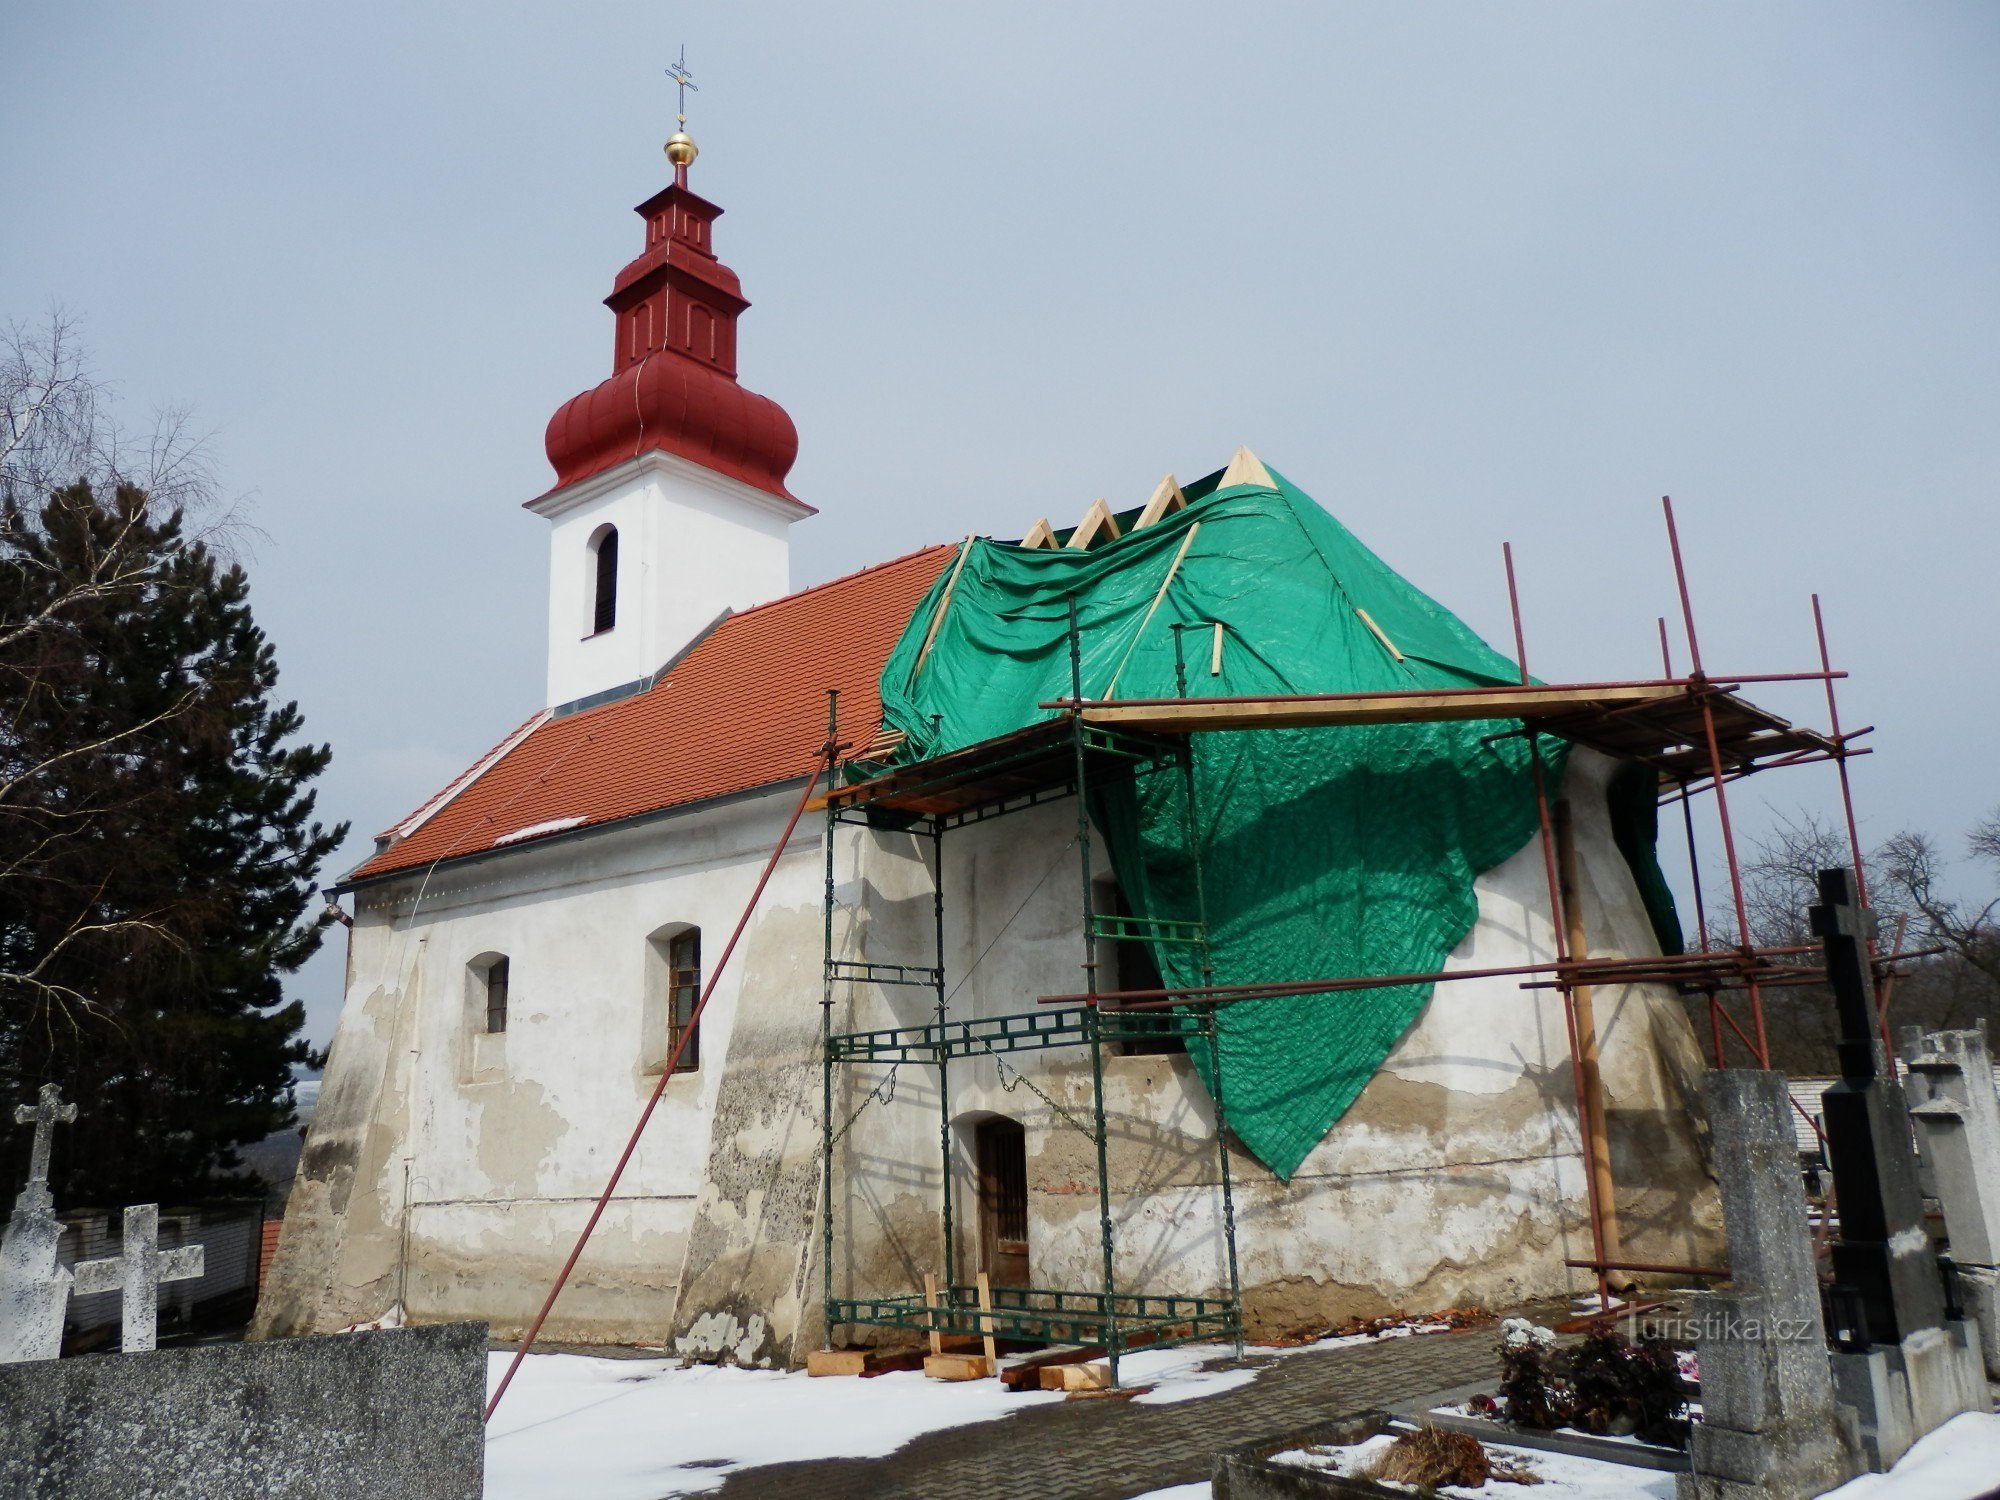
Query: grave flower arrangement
[[1606, 1384]]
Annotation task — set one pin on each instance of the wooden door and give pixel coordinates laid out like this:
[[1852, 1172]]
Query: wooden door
[[1003, 1200]]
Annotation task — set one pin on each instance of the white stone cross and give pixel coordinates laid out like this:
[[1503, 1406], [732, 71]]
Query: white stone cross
[[138, 1272], [44, 1114]]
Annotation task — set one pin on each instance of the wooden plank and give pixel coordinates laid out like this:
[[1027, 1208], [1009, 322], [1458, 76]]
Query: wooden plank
[[986, 1322], [1167, 496], [930, 1305], [1027, 1374], [1041, 534], [1365, 708], [1111, 691], [957, 1367], [937, 619], [1387, 644], [836, 1361], [1095, 1376], [1246, 468], [1097, 518], [1596, 1134]]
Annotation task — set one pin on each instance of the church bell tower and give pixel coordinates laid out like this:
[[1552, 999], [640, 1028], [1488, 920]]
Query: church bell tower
[[670, 504]]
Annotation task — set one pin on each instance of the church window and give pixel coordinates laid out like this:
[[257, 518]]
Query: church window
[[684, 981], [494, 980], [604, 571], [673, 987]]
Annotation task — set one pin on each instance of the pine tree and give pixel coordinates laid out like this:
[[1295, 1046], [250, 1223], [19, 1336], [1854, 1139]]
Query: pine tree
[[157, 848]]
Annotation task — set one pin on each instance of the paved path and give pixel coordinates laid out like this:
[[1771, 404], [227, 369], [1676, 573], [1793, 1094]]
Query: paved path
[[1109, 1450]]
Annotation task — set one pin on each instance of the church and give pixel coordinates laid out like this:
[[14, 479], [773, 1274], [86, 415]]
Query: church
[[1088, 978]]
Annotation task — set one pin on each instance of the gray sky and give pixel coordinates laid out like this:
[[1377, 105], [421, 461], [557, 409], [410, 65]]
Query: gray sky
[[1465, 273]]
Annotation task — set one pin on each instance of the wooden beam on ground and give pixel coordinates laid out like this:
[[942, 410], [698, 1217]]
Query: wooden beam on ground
[[957, 1367], [836, 1361], [1027, 1374], [1097, 519], [1077, 1377], [1167, 496]]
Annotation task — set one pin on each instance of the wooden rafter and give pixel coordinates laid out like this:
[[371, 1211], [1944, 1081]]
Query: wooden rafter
[[1041, 534], [1167, 496], [1246, 468], [1098, 519]]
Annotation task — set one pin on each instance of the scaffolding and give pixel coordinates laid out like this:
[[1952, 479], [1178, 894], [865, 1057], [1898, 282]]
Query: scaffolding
[[1698, 733], [1053, 759]]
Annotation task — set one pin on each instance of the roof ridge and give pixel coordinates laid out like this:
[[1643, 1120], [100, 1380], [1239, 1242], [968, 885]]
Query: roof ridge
[[814, 588]]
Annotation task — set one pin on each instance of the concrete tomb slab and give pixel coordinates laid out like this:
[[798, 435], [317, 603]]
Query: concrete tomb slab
[[397, 1412]]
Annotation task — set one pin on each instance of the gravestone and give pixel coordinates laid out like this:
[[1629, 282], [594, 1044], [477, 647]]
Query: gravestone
[[137, 1273], [1770, 1424], [34, 1287], [1882, 1251], [1909, 1369], [1957, 1114]]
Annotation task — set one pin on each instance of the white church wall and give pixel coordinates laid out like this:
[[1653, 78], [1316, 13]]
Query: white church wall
[[487, 1175], [691, 543], [1455, 1177]]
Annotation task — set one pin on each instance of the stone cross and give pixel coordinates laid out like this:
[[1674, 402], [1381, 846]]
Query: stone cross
[[44, 1114], [34, 1287], [1883, 1250], [138, 1272]]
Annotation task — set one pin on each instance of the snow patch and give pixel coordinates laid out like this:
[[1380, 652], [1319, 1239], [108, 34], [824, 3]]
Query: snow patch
[[1957, 1462], [646, 1429], [536, 830], [1562, 1476]]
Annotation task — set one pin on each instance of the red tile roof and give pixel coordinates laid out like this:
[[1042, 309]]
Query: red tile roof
[[745, 708]]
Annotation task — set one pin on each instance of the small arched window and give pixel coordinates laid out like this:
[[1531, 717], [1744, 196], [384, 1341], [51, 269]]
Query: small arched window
[[604, 597], [673, 985], [489, 984]]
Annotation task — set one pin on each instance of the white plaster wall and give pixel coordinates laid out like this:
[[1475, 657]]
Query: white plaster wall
[[494, 1154], [691, 543]]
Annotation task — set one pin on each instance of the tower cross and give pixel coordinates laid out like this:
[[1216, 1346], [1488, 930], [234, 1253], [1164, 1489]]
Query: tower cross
[[678, 71], [47, 1112]]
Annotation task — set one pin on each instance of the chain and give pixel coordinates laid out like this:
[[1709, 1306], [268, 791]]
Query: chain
[[884, 1091], [1022, 1078]]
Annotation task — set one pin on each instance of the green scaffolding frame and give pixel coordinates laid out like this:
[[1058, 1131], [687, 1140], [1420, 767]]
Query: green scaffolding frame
[[1048, 760]]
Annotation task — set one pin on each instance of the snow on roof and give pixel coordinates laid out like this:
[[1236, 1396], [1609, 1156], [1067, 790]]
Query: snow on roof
[[745, 708]]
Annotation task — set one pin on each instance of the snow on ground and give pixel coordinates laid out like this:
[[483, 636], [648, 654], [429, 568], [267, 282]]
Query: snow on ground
[[1960, 1461], [1201, 1491], [1560, 1476], [645, 1429]]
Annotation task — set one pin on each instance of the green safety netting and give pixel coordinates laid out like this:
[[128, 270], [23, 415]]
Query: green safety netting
[[1325, 851]]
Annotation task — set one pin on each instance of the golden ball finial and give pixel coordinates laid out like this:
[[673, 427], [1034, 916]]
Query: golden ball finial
[[681, 148]]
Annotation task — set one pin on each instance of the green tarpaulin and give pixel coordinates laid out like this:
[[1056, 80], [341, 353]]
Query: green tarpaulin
[[1326, 851]]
